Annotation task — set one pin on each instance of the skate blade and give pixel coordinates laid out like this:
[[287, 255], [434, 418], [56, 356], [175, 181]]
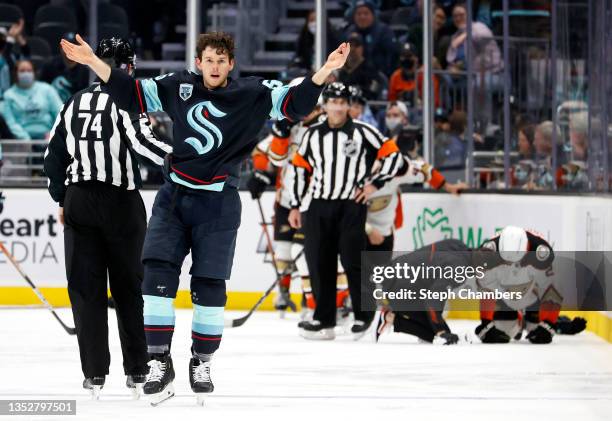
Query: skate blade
[[200, 398], [157, 398], [321, 335], [136, 391], [95, 393]]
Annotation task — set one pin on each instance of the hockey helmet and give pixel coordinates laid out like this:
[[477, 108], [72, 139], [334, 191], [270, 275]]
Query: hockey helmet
[[513, 244], [336, 90], [118, 52]]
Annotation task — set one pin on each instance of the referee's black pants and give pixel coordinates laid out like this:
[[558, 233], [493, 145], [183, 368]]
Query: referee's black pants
[[104, 232], [333, 227]]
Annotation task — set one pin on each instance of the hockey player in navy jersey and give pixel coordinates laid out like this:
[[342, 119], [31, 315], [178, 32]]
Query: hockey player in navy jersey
[[198, 208]]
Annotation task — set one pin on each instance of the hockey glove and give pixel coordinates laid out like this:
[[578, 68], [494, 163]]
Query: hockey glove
[[489, 334], [258, 182], [446, 338], [565, 326], [542, 334]]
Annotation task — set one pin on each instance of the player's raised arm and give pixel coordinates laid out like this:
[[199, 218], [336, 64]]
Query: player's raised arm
[[83, 54], [296, 102]]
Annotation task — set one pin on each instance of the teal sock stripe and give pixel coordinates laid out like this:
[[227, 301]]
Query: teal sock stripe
[[207, 320], [158, 310]]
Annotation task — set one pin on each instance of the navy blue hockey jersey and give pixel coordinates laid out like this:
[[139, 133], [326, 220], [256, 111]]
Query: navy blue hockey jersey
[[214, 130]]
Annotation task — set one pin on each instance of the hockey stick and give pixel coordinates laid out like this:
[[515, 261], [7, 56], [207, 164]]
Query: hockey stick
[[240, 321], [68, 329]]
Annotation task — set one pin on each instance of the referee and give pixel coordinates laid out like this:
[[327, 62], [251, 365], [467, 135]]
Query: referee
[[93, 174], [334, 165]]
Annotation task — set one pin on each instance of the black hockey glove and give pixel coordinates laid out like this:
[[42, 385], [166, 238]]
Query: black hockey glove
[[542, 334], [565, 326], [258, 182], [489, 334], [449, 338]]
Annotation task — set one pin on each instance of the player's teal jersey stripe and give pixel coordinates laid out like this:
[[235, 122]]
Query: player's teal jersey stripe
[[208, 315], [207, 329], [278, 96], [149, 87]]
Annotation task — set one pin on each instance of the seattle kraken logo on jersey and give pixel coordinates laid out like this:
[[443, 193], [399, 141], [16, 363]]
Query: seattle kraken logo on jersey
[[197, 117]]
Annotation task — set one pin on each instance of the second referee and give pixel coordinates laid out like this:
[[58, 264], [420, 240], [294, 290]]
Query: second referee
[[93, 174], [335, 165]]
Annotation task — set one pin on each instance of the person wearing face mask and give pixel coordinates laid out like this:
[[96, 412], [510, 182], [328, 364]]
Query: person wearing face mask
[[396, 117], [30, 107], [358, 71], [304, 57], [360, 110], [406, 83]]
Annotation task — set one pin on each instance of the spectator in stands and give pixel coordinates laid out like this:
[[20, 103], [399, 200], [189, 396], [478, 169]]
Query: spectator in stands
[[441, 36], [523, 171], [379, 40], [452, 148], [357, 71], [30, 107], [526, 136], [396, 117], [574, 174], [13, 46], [408, 79], [66, 76], [544, 176], [359, 107], [486, 55], [304, 57]]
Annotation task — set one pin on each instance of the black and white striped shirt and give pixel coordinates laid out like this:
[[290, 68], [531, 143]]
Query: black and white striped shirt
[[94, 140], [332, 163]]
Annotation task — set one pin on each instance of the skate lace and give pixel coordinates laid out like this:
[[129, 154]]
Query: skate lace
[[201, 372], [156, 370]]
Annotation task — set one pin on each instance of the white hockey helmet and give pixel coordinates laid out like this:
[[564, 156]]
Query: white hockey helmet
[[513, 243]]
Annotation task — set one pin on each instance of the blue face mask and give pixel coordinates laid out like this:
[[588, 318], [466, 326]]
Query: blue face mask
[[25, 79]]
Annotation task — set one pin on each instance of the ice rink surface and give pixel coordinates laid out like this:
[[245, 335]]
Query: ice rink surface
[[264, 370]]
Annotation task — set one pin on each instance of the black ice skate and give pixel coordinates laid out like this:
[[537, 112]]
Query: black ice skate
[[94, 385], [158, 385], [135, 382], [316, 331], [199, 378], [359, 329]]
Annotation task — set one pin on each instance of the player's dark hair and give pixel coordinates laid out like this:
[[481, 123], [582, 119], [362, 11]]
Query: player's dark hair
[[222, 42]]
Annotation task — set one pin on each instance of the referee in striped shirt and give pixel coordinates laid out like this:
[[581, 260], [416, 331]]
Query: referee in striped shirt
[[333, 165], [93, 174]]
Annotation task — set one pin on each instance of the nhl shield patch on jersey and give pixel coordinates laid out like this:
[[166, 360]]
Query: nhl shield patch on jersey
[[185, 91]]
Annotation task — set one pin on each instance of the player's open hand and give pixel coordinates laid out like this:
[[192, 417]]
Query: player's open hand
[[363, 195], [81, 52], [337, 58]]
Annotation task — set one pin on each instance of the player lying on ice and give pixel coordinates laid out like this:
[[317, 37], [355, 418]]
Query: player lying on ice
[[198, 208], [514, 260]]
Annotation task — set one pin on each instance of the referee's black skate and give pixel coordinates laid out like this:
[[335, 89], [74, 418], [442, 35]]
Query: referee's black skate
[[135, 382], [359, 329], [199, 378], [316, 331], [158, 385], [94, 385]]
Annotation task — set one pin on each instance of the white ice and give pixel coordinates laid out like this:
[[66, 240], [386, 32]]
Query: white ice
[[264, 370]]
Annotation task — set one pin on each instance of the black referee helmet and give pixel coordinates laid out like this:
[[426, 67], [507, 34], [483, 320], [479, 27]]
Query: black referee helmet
[[357, 95], [117, 52], [336, 90]]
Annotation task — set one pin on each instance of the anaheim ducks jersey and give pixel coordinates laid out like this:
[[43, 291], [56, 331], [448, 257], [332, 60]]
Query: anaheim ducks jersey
[[385, 207]]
